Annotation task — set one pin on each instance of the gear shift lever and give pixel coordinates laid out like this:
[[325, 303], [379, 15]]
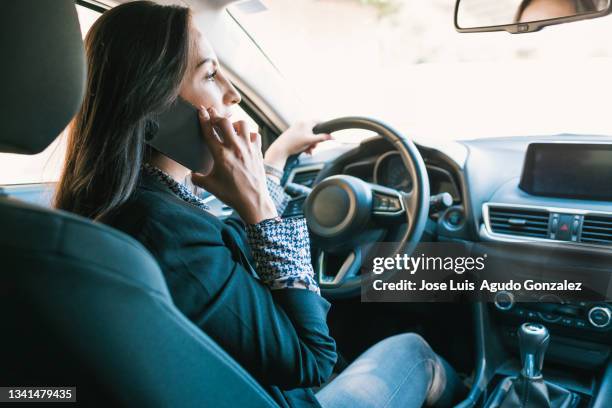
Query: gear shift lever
[[528, 389], [533, 342]]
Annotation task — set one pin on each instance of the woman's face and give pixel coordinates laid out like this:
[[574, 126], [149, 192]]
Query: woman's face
[[205, 84]]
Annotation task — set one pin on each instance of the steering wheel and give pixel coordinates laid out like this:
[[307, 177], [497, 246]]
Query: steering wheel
[[347, 216]]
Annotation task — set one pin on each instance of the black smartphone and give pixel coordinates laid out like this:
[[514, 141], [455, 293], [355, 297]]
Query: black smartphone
[[176, 133]]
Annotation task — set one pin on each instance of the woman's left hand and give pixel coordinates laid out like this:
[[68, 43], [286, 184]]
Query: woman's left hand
[[297, 139]]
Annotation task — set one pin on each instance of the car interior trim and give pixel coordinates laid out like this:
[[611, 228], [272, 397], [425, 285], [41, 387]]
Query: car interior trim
[[303, 169]]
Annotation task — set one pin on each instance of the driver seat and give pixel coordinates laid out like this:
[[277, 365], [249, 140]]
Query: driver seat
[[81, 304]]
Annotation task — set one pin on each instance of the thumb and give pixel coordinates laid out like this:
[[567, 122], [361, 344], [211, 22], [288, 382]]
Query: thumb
[[201, 180]]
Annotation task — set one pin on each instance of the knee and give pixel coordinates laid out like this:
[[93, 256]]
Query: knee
[[411, 341], [409, 346]]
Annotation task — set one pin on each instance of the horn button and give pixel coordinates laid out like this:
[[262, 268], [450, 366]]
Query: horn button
[[338, 209], [330, 216]]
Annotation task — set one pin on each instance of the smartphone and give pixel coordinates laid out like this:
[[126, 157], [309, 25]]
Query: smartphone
[[176, 133]]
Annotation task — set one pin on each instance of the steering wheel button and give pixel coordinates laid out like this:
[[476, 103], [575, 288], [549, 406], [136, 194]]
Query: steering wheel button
[[377, 202], [394, 204], [331, 215]]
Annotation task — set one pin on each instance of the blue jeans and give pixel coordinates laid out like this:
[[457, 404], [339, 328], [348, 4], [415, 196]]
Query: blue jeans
[[400, 371]]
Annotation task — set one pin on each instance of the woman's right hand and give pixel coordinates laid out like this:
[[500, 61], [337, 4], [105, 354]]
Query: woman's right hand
[[238, 177]]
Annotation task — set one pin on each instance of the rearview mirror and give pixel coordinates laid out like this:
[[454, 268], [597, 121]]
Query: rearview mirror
[[523, 16]]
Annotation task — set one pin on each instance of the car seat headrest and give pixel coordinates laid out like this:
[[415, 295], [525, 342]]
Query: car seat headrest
[[42, 74]]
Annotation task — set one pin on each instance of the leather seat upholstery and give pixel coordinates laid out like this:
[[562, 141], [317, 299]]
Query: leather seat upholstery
[[80, 303]]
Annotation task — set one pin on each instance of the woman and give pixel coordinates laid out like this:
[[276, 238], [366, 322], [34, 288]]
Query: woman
[[246, 282]]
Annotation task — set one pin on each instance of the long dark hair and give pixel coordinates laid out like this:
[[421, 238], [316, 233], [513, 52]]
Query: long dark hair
[[137, 56]]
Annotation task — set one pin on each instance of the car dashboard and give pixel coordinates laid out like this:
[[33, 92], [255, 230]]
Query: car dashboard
[[482, 181], [489, 207]]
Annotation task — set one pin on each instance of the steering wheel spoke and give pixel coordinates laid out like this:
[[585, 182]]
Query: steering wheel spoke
[[349, 268]]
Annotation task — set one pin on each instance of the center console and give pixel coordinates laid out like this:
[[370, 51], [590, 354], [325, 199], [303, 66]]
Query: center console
[[520, 355], [554, 220], [593, 316], [583, 329], [562, 203]]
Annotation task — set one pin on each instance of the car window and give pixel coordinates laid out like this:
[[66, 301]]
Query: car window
[[403, 62], [45, 166]]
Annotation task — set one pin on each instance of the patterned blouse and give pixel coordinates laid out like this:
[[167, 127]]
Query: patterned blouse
[[280, 247]]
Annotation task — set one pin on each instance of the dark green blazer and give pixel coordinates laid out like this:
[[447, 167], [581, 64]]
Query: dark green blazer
[[280, 337]]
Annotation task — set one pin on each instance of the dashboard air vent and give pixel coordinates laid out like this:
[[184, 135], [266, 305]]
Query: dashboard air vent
[[306, 177], [596, 229], [519, 221]]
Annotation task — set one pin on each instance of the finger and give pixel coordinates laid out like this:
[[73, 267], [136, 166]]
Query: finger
[[213, 143], [321, 137], [313, 141], [310, 148], [223, 127], [256, 139], [242, 129], [208, 182]]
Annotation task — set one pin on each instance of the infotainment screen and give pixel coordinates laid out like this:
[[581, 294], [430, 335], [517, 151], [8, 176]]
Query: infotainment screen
[[568, 170]]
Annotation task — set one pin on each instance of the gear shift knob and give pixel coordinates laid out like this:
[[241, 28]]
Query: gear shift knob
[[533, 342]]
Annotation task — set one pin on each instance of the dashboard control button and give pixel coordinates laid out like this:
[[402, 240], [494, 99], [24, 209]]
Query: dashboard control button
[[453, 219], [566, 321], [581, 324], [504, 300], [563, 231], [549, 317], [600, 316]]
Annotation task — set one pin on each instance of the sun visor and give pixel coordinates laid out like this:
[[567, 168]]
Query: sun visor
[[42, 74]]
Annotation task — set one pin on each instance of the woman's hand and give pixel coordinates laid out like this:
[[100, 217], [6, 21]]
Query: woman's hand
[[237, 177], [297, 139]]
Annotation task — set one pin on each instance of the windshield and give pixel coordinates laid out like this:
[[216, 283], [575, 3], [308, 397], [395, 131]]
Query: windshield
[[402, 61]]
